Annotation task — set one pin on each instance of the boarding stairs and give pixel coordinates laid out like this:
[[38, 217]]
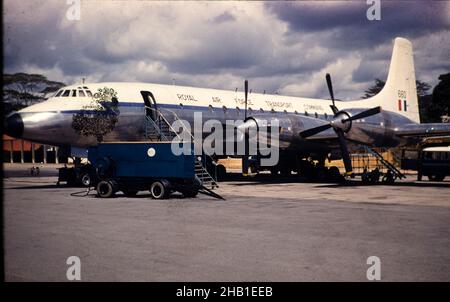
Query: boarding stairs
[[161, 130], [384, 162]]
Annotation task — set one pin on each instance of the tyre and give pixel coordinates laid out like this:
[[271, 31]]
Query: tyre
[[159, 190], [190, 194], [436, 177], [85, 180], [105, 189], [221, 172]]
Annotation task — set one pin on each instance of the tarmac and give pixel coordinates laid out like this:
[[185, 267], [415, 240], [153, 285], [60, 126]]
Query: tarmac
[[267, 229]]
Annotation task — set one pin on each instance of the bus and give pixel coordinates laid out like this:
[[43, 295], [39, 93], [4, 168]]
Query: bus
[[433, 162]]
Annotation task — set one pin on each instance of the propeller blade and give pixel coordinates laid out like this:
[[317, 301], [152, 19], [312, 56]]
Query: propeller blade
[[344, 151], [363, 114], [312, 131], [246, 96], [334, 109], [330, 87]]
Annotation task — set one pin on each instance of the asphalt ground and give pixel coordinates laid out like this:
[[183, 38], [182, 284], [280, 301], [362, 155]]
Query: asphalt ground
[[267, 229]]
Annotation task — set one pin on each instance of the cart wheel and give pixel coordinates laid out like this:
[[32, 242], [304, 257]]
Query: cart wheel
[[105, 189], [85, 179], [159, 190]]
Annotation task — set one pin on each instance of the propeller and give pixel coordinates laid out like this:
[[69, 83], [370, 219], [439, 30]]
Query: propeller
[[245, 163], [341, 123], [330, 90], [246, 98]]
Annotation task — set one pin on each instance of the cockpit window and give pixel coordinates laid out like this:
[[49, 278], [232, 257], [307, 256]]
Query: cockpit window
[[59, 93], [81, 93], [89, 93], [74, 92], [66, 93]]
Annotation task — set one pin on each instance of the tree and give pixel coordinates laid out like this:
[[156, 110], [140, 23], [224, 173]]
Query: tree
[[375, 89], [422, 88], [21, 89], [440, 101]]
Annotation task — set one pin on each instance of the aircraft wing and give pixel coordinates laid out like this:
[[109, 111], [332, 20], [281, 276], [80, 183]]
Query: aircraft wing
[[422, 130]]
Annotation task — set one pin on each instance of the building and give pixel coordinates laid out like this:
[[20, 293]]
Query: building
[[22, 151]]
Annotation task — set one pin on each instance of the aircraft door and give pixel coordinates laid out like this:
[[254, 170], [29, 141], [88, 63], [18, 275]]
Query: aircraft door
[[151, 109]]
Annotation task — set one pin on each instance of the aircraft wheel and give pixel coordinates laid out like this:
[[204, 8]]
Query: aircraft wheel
[[105, 189], [436, 177], [86, 179], [221, 172]]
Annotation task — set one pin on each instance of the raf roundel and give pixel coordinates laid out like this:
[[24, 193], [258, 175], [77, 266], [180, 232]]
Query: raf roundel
[[151, 152]]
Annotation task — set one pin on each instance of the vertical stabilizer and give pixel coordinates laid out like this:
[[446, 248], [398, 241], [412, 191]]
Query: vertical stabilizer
[[400, 94]]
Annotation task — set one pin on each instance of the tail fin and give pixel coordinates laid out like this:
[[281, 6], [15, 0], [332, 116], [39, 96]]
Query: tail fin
[[399, 93]]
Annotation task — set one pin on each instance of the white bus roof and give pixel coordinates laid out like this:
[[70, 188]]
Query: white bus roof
[[437, 149]]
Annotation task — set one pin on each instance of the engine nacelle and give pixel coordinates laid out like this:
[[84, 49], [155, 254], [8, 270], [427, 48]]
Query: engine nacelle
[[288, 127]]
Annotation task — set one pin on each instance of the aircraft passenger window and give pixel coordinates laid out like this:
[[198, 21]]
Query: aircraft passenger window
[[59, 93], [89, 93], [74, 92], [85, 87], [81, 93], [66, 93]]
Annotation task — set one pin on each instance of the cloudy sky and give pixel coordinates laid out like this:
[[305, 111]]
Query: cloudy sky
[[279, 46]]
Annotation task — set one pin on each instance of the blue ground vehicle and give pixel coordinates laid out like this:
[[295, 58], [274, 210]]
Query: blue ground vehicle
[[131, 167]]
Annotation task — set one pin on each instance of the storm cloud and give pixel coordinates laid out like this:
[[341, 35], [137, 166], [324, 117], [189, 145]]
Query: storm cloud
[[285, 47]]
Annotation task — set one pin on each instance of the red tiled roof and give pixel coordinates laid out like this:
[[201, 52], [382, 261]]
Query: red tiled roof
[[16, 144]]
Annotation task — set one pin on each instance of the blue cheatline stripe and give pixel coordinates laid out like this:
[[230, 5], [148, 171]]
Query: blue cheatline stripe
[[161, 105], [405, 105], [177, 106]]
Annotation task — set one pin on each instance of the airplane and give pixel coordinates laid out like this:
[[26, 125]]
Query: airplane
[[309, 128]]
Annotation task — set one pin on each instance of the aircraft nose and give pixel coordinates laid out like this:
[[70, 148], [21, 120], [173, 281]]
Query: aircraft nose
[[14, 125]]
